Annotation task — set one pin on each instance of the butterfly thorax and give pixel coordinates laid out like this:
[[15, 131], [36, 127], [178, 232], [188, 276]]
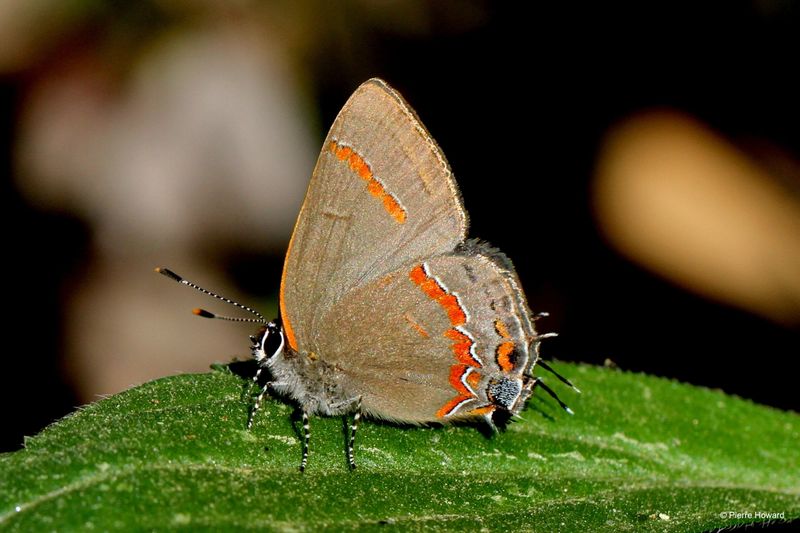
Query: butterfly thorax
[[304, 377]]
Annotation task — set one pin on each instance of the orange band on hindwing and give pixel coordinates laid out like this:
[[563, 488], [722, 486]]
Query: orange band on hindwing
[[473, 380], [483, 411], [358, 165], [463, 344], [503, 353], [501, 329], [415, 325], [435, 291], [457, 315], [505, 349], [452, 405], [456, 374], [462, 347]]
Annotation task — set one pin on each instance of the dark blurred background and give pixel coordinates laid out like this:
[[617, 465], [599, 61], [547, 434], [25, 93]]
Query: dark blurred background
[[639, 165]]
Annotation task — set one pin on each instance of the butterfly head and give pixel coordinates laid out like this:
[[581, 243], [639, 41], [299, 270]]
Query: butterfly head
[[268, 342]]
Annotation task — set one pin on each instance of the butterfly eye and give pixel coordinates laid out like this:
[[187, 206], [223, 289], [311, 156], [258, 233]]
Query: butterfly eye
[[272, 340]]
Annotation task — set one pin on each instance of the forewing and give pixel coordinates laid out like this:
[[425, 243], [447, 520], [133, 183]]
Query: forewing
[[382, 195]]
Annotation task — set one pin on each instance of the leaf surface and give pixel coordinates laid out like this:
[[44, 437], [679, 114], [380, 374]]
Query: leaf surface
[[641, 454]]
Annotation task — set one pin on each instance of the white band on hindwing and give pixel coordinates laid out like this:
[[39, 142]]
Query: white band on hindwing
[[473, 350]]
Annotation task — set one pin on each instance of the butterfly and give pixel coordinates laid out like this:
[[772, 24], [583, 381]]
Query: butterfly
[[387, 309]]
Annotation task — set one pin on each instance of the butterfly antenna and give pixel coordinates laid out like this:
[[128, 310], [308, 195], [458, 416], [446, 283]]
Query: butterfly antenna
[[548, 390], [206, 314], [559, 376], [537, 341]]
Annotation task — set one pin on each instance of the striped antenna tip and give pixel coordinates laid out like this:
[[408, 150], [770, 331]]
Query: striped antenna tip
[[169, 273]]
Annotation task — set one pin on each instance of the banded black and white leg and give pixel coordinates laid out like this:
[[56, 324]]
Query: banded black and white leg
[[257, 404], [347, 405], [351, 462], [350, 443], [306, 440]]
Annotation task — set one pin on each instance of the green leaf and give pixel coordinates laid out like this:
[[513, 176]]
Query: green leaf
[[641, 454]]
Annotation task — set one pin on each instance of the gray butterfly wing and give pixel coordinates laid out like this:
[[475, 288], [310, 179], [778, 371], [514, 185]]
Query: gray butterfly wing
[[382, 195], [429, 341]]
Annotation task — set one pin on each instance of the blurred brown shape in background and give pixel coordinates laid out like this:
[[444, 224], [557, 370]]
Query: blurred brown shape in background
[[678, 198], [196, 148]]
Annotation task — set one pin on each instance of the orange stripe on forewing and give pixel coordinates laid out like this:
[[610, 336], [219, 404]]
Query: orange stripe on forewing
[[504, 352], [375, 188], [341, 152], [362, 169], [394, 208]]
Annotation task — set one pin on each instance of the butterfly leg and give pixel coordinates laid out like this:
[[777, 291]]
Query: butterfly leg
[[306, 439], [257, 405], [351, 443]]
